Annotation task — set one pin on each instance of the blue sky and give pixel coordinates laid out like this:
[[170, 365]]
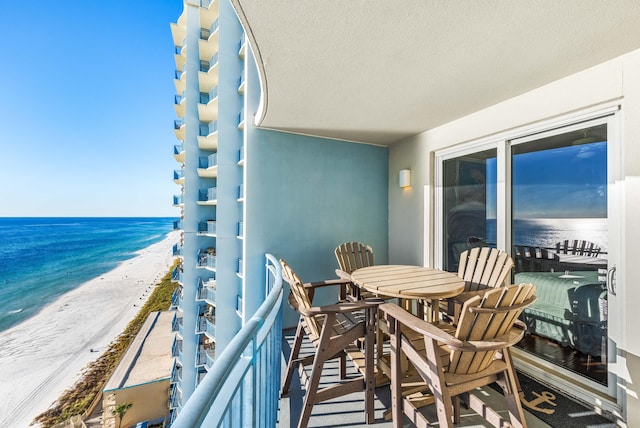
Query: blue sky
[[87, 112]]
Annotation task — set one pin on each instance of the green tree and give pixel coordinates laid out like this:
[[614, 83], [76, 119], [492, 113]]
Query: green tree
[[120, 411]]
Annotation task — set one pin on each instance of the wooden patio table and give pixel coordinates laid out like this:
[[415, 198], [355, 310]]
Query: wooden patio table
[[410, 283]]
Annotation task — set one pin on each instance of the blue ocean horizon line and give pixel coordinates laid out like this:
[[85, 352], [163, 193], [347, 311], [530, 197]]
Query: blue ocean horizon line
[[45, 257]]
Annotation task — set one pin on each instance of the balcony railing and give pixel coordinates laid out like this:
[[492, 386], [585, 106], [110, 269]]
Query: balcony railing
[[207, 196], [207, 228], [208, 161], [206, 260], [237, 373], [207, 129]]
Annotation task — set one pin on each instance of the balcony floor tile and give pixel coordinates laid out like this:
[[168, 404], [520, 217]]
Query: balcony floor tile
[[348, 411]]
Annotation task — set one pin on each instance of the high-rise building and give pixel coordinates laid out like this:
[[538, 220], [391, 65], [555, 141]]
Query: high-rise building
[[209, 103], [247, 191]]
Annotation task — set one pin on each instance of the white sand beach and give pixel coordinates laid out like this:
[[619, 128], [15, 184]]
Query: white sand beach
[[45, 355]]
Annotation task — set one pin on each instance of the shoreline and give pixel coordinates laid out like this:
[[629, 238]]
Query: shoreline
[[44, 355]]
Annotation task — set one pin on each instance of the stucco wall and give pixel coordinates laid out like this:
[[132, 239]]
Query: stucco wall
[[306, 195], [150, 402], [613, 82]]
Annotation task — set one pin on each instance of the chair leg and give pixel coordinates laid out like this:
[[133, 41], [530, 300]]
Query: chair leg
[[371, 328], [295, 351], [512, 393]]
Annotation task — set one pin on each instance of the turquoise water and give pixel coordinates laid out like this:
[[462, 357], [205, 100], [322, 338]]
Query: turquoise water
[[42, 258]]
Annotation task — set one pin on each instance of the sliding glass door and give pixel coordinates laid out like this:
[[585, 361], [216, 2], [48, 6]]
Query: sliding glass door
[[559, 236], [544, 198]]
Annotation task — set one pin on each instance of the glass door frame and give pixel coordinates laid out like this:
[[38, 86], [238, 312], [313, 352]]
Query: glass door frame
[[608, 397]]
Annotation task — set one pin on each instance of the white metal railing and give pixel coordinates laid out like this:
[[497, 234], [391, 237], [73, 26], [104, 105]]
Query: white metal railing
[[242, 388]]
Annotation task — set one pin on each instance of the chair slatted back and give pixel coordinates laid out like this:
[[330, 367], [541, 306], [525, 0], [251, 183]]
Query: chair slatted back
[[300, 298], [354, 255], [484, 267], [485, 318], [578, 247]]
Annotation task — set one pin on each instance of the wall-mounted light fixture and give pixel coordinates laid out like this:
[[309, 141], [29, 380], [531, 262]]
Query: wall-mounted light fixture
[[404, 179]]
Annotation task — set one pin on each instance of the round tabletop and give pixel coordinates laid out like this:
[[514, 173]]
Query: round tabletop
[[408, 282]]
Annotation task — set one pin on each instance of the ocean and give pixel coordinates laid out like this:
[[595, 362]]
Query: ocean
[[546, 232], [42, 258]]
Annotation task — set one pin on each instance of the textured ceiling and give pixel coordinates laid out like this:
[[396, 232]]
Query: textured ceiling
[[378, 71]]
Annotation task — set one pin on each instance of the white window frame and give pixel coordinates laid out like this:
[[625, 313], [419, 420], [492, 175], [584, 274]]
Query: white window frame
[[609, 113]]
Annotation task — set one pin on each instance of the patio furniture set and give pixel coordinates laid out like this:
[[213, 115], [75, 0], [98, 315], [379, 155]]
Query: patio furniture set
[[437, 336]]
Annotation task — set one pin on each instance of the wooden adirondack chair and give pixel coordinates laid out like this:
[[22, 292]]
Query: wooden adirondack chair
[[334, 331], [352, 256], [578, 247], [454, 365], [481, 268]]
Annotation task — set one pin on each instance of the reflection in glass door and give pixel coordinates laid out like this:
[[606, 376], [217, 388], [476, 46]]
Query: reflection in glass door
[[469, 204], [559, 236]]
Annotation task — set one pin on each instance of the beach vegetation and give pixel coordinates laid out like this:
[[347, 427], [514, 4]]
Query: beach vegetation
[[79, 399]]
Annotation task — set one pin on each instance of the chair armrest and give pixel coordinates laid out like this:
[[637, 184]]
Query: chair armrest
[[326, 283], [344, 307], [343, 275], [419, 325]]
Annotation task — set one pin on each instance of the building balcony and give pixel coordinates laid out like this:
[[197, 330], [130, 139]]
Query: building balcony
[[240, 230], [207, 228], [208, 44], [176, 397], [208, 135], [180, 80], [241, 193], [208, 74], [240, 268], [207, 291], [241, 120], [176, 275], [175, 298], [208, 105], [179, 128], [241, 156], [203, 353], [176, 373], [207, 259], [208, 166], [176, 324], [210, 293], [179, 104], [178, 152], [208, 12], [177, 250], [178, 31], [241, 82], [180, 56], [176, 348], [207, 325], [242, 47], [178, 201], [207, 196], [178, 176], [177, 225]]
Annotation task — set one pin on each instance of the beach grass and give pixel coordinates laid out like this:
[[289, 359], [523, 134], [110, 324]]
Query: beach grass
[[78, 399]]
